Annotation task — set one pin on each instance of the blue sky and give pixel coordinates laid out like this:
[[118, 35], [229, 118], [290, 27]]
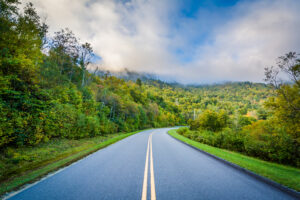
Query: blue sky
[[190, 8], [213, 12], [189, 41]]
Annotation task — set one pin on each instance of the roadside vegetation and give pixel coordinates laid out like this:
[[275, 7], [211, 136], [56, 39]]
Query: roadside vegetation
[[283, 174], [28, 164]]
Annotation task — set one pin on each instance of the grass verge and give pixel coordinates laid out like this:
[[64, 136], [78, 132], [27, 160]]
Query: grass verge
[[285, 175], [68, 154]]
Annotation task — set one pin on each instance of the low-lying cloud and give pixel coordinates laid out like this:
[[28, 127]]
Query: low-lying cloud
[[146, 36]]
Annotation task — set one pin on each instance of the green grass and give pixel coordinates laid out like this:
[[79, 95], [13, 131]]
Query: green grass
[[285, 175], [28, 164]]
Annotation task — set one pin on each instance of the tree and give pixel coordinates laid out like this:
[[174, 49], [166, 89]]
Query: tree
[[285, 106], [139, 82], [210, 120], [20, 30], [21, 35], [65, 48], [86, 54], [289, 64]]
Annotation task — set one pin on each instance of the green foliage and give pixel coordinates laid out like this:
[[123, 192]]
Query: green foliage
[[269, 142], [210, 120], [264, 139], [224, 139], [284, 112]]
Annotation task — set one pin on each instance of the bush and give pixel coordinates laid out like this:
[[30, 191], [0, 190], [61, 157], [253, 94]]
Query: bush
[[182, 130], [260, 139], [87, 126], [210, 120], [271, 143]]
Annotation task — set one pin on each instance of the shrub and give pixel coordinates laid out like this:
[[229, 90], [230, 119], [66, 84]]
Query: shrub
[[210, 120], [182, 130]]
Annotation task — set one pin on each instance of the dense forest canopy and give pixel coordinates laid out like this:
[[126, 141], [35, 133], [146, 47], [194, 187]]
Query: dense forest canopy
[[47, 91]]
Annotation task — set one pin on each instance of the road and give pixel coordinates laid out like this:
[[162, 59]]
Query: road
[[149, 165]]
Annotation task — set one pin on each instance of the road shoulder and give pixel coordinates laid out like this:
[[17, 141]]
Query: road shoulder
[[197, 146]]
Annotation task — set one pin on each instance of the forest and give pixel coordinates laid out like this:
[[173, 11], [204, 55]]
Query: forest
[[47, 92], [264, 124]]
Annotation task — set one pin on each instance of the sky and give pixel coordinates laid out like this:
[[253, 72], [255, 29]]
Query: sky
[[188, 41]]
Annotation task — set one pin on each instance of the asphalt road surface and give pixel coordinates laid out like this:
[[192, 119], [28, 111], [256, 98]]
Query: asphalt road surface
[[149, 165]]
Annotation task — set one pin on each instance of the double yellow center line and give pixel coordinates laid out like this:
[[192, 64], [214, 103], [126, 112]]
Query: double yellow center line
[[144, 193]]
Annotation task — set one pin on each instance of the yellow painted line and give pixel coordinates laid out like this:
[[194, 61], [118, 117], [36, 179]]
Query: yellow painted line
[[145, 182], [153, 194], [144, 193]]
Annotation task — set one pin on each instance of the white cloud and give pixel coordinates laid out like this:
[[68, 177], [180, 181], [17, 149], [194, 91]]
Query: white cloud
[[131, 35], [260, 33], [136, 35]]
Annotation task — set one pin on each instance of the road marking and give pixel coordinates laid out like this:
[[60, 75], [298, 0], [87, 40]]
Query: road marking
[[144, 193], [153, 195], [145, 182]]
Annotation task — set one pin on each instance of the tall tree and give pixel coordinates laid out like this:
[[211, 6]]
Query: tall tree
[[66, 49], [289, 64], [286, 104], [85, 58]]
